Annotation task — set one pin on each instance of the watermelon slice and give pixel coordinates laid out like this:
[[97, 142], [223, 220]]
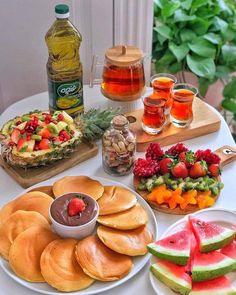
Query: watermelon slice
[[207, 266], [174, 248], [219, 286], [174, 276], [230, 250], [211, 236]]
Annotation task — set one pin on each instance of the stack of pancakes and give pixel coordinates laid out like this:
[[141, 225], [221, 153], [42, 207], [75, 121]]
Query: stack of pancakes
[[36, 254]]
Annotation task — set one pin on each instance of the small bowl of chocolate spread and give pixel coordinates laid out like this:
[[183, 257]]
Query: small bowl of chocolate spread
[[74, 215]]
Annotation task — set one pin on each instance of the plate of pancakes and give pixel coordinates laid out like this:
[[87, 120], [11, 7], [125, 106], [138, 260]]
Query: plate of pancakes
[[37, 258]]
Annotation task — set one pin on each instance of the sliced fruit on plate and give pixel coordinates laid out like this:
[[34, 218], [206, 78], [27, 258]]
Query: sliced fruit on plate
[[219, 286], [176, 277], [207, 266], [210, 236], [230, 250], [174, 248]]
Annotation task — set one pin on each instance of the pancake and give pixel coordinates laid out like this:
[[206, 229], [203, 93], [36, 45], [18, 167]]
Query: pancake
[[116, 199], [129, 219], [60, 268], [32, 201], [16, 224], [44, 189], [78, 184], [130, 242], [26, 250], [100, 262]]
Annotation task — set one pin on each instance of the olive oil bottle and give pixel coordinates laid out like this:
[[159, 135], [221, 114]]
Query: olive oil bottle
[[64, 68]]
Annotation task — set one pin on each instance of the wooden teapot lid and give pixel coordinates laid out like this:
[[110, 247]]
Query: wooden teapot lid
[[122, 55]]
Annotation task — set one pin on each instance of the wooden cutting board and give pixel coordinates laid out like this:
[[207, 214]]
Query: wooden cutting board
[[27, 178], [205, 121]]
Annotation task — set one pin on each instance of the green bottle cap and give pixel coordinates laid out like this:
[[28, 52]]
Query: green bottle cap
[[62, 11]]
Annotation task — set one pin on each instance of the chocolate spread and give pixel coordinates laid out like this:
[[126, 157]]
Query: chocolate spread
[[60, 214]]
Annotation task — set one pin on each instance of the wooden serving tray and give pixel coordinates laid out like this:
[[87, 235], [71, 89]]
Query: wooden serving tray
[[31, 176], [205, 121]]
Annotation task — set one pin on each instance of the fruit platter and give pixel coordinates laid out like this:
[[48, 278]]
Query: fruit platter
[[124, 226], [196, 255], [179, 180]]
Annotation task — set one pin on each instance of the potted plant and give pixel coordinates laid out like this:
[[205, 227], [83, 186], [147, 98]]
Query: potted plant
[[196, 36]]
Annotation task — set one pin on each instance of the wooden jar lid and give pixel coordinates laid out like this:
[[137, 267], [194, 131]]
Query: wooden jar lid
[[121, 55]]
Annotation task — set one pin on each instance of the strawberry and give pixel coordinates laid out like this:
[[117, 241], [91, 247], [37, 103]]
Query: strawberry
[[214, 170], [22, 145], [188, 158], [165, 165], [44, 144], [60, 117], [179, 170], [199, 169], [45, 133], [15, 136], [75, 206]]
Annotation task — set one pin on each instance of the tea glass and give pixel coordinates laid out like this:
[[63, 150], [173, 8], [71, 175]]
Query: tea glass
[[181, 114], [163, 84], [154, 116]]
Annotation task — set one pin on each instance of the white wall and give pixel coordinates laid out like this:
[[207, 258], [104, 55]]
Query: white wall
[[24, 23]]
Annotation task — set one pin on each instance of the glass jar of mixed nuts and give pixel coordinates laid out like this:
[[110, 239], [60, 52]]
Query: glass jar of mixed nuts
[[118, 147]]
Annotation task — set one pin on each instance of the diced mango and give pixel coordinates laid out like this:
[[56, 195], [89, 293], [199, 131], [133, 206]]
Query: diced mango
[[176, 198], [189, 198], [204, 199]]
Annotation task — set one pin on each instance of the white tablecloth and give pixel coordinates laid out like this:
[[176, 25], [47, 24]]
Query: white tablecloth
[[139, 284]]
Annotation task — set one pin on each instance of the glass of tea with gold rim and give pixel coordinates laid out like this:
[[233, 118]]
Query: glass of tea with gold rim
[[163, 84], [154, 116], [181, 114]]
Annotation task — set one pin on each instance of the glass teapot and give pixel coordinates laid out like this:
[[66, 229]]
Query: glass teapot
[[123, 76]]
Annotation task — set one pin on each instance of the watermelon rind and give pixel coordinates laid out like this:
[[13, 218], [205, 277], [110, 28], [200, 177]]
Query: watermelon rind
[[208, 272], [217, 242], [178, 257], [224, 291], [169, 279]]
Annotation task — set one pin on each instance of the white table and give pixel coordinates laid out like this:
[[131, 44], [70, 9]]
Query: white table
[[139, 284]]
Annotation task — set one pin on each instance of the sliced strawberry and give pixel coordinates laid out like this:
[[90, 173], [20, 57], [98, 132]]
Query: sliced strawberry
[[44, 144], [179, 170], [45, 133], [165, 165], [15, 136], [199, 169], [188, 158], [22, 145], [75, 206], [214, 170]]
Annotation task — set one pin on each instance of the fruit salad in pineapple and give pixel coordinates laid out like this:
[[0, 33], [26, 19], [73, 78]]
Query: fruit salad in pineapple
[[42, 137], [178, 180]]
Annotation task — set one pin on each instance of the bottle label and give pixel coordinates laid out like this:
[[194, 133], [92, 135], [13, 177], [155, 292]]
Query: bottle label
[[66, 96]]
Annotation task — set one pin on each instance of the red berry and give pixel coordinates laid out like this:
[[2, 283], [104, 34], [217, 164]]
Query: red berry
[[176, 149], [44, 144], [75, 206], [154, 151], [65, 135], [188, 158], [18, 123], [179, 170], [145, 168], [165, 165], [199, 169], [60, 117], [214, 170], [208, 156]]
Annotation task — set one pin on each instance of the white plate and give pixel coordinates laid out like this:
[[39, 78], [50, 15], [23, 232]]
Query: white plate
[[221, 216], [97, 287]]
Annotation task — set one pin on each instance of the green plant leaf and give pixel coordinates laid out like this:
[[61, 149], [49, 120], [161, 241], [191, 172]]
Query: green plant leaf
[[219, 24], [169, 8], [200, 26], [228, 34], [230, 89], [229, 53], [164, 31], [187, 35], [158, 3], [186, 4], [229, 104], [161, 39], [167, 58], [202, 47], [202, 67], [196, 4], [175, 68], [179, 51], [222, 72], [213, 38], [181, 16], [204, 85]]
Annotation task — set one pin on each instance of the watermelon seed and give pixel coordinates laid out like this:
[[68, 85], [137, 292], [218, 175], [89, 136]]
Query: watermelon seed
[[188, 272], [172, 242]]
